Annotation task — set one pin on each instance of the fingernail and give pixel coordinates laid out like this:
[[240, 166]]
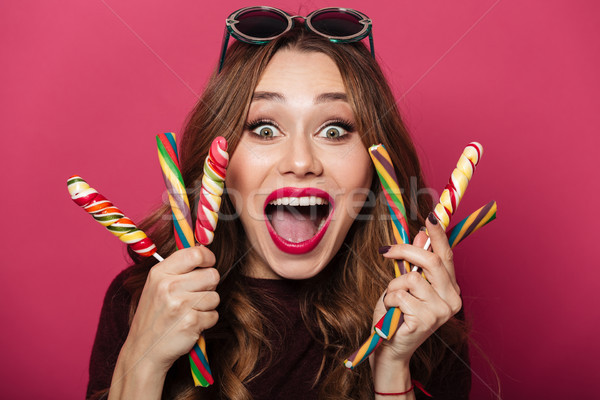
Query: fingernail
[[384, 249], [432, 218], [423, 229]]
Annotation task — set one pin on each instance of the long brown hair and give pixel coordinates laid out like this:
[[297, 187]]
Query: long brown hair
[[339, 302]]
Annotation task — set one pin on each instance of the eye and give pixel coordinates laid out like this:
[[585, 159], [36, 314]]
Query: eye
[[336, 130], [264, 129]]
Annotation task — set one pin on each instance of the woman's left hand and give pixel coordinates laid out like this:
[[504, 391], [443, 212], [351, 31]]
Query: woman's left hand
[[425, 305]]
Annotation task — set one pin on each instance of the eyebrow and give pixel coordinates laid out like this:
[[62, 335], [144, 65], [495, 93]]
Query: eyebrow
[[322, 98]]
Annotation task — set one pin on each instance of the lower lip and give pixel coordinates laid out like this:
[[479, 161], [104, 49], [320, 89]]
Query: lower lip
[[300, 247]]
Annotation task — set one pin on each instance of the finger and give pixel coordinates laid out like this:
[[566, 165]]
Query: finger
[[412, 282], [198, 321], [186, 260], [434, 269], [429, 300], [439, 243], [420, 239], [200, 280], [208, 319], [205, 301]]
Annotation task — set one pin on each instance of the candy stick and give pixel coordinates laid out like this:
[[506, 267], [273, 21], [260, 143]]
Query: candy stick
[[459, 180], [456, 187], [364, 351], [184, 237], [213, 182], [109, 216], [180, 205], [449, 200], [472, 223], [387, 326], [457, 234]]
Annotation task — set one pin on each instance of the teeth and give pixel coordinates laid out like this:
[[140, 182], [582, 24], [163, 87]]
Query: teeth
[[299, 201]]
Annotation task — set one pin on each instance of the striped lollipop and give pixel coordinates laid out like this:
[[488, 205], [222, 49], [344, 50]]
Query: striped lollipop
[[109, 216], [184, 237], [213, 182]]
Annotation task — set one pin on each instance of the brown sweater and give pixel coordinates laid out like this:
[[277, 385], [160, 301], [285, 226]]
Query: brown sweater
[[292, 370]]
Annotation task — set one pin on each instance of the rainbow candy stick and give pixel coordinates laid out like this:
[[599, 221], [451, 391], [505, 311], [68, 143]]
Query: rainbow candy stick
[[184, 237], [472, 223], [388, 325], [180, 205], [363, 351], [109, 216], [389, 184], [457, 234]]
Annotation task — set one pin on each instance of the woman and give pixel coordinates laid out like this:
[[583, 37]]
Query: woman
[[296, 288]]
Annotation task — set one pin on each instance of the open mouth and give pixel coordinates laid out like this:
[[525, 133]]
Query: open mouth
[[297, 218]]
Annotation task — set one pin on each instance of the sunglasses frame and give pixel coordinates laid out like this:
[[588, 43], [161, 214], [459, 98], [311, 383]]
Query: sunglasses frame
[[231, 30]]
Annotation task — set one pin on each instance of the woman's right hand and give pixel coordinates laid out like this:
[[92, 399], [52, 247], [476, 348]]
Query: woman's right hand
[[178, 302]]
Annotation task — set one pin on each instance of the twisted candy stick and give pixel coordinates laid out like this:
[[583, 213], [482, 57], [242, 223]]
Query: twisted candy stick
[[456, 187], [184, 237], [180, 205], [388, 325], [389, 184], [457, 234], [213, 182], [459, 180], [472, 223], [110, 217]]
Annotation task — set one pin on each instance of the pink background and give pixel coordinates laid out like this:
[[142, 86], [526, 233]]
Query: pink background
[[85, 86]]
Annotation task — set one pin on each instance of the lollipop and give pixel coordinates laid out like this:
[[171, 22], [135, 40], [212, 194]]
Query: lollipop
[[184, 237], [113, 219], [213, 183]]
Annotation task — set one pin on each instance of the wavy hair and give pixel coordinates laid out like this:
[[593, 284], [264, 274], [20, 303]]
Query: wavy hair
[[338, 303]]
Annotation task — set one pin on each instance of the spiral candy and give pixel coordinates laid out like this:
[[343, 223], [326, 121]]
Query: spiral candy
[[213, 182], [459, 180], [472, 223], [113, 219], [180, 206]]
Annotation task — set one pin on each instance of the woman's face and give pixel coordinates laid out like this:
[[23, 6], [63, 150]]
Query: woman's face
[[300, 174]]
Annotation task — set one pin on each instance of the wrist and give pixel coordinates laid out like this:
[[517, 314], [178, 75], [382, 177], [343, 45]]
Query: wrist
[[391, 377], [136, 376]]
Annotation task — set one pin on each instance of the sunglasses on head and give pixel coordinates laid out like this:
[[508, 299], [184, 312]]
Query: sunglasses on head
[[262, 24]]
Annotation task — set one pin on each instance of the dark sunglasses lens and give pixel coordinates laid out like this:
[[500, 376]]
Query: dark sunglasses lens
[[261, 24], [336, 23]]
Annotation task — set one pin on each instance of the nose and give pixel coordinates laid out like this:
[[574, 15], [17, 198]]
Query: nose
[[300, 158]]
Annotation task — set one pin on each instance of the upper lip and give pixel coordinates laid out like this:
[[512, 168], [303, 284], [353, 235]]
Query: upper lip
[[298, 192]]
